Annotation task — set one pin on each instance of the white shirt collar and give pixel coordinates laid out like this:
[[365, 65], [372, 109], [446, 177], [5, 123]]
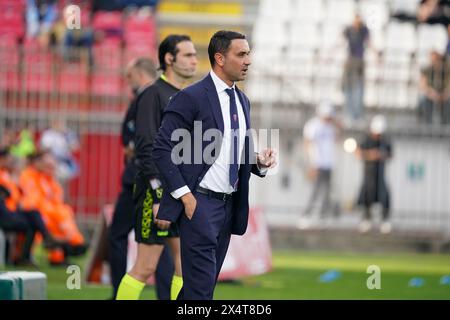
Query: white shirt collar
[[219, 83]]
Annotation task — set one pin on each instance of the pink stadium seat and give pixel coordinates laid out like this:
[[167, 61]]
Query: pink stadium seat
[[137, 24], [106, 84], [138, 30], [38, 81], [9, 52], [139, 51], [140, 38], [12, 23], [73, 78], [38, 68], [16, 5], [107, 55], [9, 57], [107, 20]]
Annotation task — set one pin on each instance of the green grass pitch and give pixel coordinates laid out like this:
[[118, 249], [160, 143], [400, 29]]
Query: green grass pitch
[[295, 275]]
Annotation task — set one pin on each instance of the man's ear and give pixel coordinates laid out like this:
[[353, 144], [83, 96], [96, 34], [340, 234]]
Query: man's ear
[[220, 59], [168, 59]]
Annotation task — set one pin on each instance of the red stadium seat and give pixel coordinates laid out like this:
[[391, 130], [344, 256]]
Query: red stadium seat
[[106, 84], [107, 20], [104, 20], [9, 67], [140, 38], [73, 78], [140, 24], [12, 23], [137, 51], [16, 5], [38, 68], [140, 29], [107, 55]]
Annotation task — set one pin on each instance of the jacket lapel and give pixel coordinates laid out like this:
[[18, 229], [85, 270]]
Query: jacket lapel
[[214, 102]]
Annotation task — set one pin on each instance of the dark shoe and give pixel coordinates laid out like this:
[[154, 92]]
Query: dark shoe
[[75, 250], [25, 263], [52, 243]]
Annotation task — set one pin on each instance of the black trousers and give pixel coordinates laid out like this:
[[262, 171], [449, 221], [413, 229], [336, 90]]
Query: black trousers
[[26, 222], [122, 224]]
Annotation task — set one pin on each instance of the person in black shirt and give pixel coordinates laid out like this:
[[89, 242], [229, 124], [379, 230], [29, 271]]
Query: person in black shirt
[[140, 74], [375, 150], [178, 61], [435, 90]]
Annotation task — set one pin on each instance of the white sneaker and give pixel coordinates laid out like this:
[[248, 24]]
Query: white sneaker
[[386, 227], [365, 226], [303, 223]]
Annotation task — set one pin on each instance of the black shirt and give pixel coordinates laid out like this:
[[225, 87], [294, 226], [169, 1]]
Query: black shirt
[[150, 105], [129, 124], [375, 169]]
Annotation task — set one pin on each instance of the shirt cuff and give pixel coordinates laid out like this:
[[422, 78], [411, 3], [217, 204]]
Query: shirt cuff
[[155, 183], [177, 194], [262, 171]]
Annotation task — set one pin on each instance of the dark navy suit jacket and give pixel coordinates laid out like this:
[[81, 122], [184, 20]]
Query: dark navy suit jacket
[[199, 102]]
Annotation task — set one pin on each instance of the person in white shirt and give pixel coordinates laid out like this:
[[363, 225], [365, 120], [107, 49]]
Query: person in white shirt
[[320, 134], [61, 142]]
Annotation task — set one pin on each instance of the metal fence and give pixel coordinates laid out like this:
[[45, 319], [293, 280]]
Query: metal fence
[[37, 86]]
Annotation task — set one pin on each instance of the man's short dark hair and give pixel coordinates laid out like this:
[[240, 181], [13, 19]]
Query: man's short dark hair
[[169, 45], [146, 65], [220, 42]]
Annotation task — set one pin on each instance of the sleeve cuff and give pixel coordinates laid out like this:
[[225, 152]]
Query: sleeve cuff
[[155, 183], [263, 171], [177, 194]]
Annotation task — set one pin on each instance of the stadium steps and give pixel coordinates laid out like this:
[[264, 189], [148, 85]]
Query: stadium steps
[[352, 240]]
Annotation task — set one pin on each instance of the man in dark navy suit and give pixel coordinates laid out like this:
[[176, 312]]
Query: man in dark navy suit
[[206, 186]]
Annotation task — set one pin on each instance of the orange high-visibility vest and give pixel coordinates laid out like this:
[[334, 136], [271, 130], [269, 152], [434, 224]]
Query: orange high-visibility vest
[[45, 194], [7, 181]]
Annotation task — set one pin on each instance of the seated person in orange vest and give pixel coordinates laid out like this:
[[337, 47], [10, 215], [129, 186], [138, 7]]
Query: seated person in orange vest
[[12, 216], [43, 193]]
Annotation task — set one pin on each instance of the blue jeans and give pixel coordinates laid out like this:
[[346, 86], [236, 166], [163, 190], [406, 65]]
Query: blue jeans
[[354, 95], [83, 40], [427, 107]]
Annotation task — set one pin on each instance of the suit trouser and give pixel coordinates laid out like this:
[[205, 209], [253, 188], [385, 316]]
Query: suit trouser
[[122, 224], [204, 244]]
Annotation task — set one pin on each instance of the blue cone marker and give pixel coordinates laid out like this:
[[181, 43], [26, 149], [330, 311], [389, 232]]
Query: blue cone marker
[[330, 275], [416, 282], [445, 280]]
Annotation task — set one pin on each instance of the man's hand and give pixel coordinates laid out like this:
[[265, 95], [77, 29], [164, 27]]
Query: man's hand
[[372, 154], [434, 95], [129, 153], [266, 158], [161, 224], [190, 204], [312, 173]]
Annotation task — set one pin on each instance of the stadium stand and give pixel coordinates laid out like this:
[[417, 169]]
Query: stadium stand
[[297, 61], [311, 31]]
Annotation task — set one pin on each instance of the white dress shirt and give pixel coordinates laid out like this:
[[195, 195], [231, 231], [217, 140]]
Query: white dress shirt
[[217, 177]]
